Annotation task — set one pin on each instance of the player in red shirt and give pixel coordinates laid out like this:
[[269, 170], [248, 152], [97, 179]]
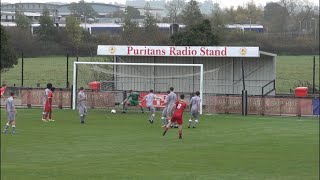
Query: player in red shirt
[[177, 115], [48, 105], [3, 89]]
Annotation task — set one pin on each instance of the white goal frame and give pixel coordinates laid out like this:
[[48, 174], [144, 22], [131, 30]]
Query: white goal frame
[[132, 64]]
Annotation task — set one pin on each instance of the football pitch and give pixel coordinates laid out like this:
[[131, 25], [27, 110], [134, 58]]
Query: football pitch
[[127, 146]]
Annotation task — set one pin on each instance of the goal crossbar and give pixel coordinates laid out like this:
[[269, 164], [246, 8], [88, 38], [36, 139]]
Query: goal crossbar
[[133, 64]]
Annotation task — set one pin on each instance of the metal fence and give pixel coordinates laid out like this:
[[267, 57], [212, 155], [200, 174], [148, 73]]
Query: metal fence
[[213, 103]]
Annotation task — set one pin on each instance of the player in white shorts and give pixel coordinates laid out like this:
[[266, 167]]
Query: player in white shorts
[[11, 114], [195, 108], [149, 98], [164, 111], [82, 98]]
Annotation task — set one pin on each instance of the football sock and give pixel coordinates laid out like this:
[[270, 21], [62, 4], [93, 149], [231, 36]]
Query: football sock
[[163, 121], [196, 123], [180, 135], [165, 131], [13, 128], [6, 127], [151, 118], [82, 118], [141, 109]]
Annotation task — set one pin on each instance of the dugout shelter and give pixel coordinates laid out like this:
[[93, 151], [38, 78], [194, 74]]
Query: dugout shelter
[[222, 68]]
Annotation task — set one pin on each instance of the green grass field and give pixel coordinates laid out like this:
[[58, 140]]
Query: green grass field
[[126, 146], [290, 69], [43, 70]]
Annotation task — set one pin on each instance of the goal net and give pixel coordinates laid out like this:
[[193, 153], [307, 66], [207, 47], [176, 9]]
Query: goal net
[[107, 83]]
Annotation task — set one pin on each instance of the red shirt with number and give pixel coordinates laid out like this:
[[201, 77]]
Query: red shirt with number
[[178, 113]]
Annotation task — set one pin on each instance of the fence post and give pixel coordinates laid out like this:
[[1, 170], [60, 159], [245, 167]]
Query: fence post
[[60, 105], [67, 83], [71, 97], [29, 97], [244, 102], [244, 92], [242, 69], [314, 75], [22, 68]]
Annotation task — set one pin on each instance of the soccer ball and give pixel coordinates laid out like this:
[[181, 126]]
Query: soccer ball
[[113, 111]]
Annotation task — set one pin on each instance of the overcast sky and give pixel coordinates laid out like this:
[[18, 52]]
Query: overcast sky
[[223, 3]]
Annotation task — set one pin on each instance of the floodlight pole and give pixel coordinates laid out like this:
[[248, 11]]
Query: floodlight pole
[[314, 75]]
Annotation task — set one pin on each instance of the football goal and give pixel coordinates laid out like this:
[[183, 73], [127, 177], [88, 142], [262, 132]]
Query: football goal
[[113, 80]]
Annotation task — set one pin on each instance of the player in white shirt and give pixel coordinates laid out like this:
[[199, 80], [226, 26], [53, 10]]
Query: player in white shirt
[[44, 100], [164, 111], [171, 102], [195, 108], [82, 98], [11, 114], [149, 98]]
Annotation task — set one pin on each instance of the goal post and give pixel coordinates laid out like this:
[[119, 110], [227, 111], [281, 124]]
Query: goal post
[[99, 66]]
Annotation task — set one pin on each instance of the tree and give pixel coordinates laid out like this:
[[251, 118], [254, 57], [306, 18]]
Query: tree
[[8, 55], [230, 15], [152, 34], [116, 14], [198, 35], [130, 27], [132, 12], [276, 17], [74, 32], [191, 14], [82, 9], [22, 21], [218, 20], [174, 8], [149, 23], [47, 29], [303, 14], [206, 7], [290, 5]]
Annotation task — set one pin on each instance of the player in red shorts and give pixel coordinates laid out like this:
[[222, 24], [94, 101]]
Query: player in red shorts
[[48, 105], [177, 115]]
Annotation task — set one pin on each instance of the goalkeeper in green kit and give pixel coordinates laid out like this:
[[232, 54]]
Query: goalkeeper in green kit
[[132, 100]]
